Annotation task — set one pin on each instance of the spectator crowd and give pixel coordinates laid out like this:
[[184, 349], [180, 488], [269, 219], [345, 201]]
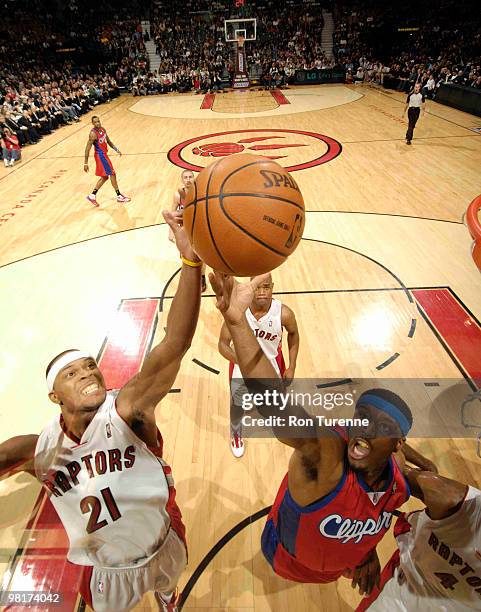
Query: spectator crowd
[[78, 57], [194, 55], [428, 43], [60, 70]]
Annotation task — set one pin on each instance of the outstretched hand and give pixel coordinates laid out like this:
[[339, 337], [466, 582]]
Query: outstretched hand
[[234, 298], [173, 219], [367, 575]]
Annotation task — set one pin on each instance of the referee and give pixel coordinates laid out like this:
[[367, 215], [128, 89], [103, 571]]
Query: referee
[[413, 107]]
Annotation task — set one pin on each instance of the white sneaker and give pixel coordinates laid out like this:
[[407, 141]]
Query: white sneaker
[[92, 199], [5, 161], [12, 161], [167, 603], [123, 198], [237, 445]]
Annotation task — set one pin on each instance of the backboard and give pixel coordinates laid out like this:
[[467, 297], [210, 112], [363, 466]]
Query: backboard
[[240, 27]]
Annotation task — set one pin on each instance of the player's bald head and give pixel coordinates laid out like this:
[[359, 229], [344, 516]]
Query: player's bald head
[[268, 279]]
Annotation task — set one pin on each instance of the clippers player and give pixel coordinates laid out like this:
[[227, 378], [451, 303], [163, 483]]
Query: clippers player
[[187, 178], [437, 566], [267, 318], [336, 501], [104, 169], [101, 462]]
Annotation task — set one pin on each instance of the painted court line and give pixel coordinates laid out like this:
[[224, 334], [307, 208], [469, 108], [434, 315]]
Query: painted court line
[[456, 326], [279, 97], [208, 101]]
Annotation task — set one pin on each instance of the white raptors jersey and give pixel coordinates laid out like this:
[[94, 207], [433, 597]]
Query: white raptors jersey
[[111, 492], [441, 560], [268, 332]]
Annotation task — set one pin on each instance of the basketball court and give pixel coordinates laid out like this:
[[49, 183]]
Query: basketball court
[[382, 284]]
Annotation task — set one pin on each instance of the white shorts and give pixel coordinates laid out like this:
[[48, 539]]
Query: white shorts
[[396, 596], [121, 589], [390, 598]]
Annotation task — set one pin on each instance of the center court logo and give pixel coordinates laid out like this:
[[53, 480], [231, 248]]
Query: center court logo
[[196, 153]]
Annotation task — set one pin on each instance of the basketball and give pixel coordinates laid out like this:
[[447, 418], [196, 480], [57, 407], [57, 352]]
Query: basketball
[[244, 215]]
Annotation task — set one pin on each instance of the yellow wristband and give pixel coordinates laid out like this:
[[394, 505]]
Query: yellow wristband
[[192, 264]]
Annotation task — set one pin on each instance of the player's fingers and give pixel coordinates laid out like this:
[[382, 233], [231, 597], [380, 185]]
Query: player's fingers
[[229, 284], [364, 581], [177, 214], [218, 282], [355, 578], [372, 577], [258, 280], [170, 219], [215, 283]]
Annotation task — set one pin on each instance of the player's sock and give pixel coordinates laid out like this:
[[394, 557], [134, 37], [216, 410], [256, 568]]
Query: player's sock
[[117, 191], [94, 191]]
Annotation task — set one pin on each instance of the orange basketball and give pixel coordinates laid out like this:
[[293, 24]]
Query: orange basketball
[[244, 215]]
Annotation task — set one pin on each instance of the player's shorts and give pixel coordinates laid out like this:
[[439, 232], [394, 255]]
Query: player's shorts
[[281, 365], [287, 566], [237, 388], [120, 589], [104, 166]]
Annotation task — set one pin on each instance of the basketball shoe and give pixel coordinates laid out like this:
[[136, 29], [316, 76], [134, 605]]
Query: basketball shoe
[[92, 199], [237, 445], [122, 198], [167, 602]]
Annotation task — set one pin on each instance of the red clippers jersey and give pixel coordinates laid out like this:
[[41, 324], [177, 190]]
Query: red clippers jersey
[[100, 144], [319, 542]]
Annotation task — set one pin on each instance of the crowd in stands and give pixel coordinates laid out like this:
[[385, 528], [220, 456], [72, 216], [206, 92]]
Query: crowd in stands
[[60, 70], [80, 53], [45, 101], [427, 43], [194, 55]]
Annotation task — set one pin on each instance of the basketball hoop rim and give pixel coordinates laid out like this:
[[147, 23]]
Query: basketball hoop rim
[[472, 218]]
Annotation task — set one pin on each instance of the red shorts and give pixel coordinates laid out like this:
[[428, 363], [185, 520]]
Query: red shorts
[[104, 166], [287, 566]]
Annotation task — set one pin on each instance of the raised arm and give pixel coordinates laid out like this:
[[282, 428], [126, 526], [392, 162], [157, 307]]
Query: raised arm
[[233, 299], [420, 461], [16, 454], [288, 319], [137, 400], [88, 146], [225, 345], [441, 495]]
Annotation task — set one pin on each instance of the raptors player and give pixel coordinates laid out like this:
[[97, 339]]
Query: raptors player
[[437, 566], [101, 462], [104, 169], [267, 318], [336, 501], [186, 178]]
